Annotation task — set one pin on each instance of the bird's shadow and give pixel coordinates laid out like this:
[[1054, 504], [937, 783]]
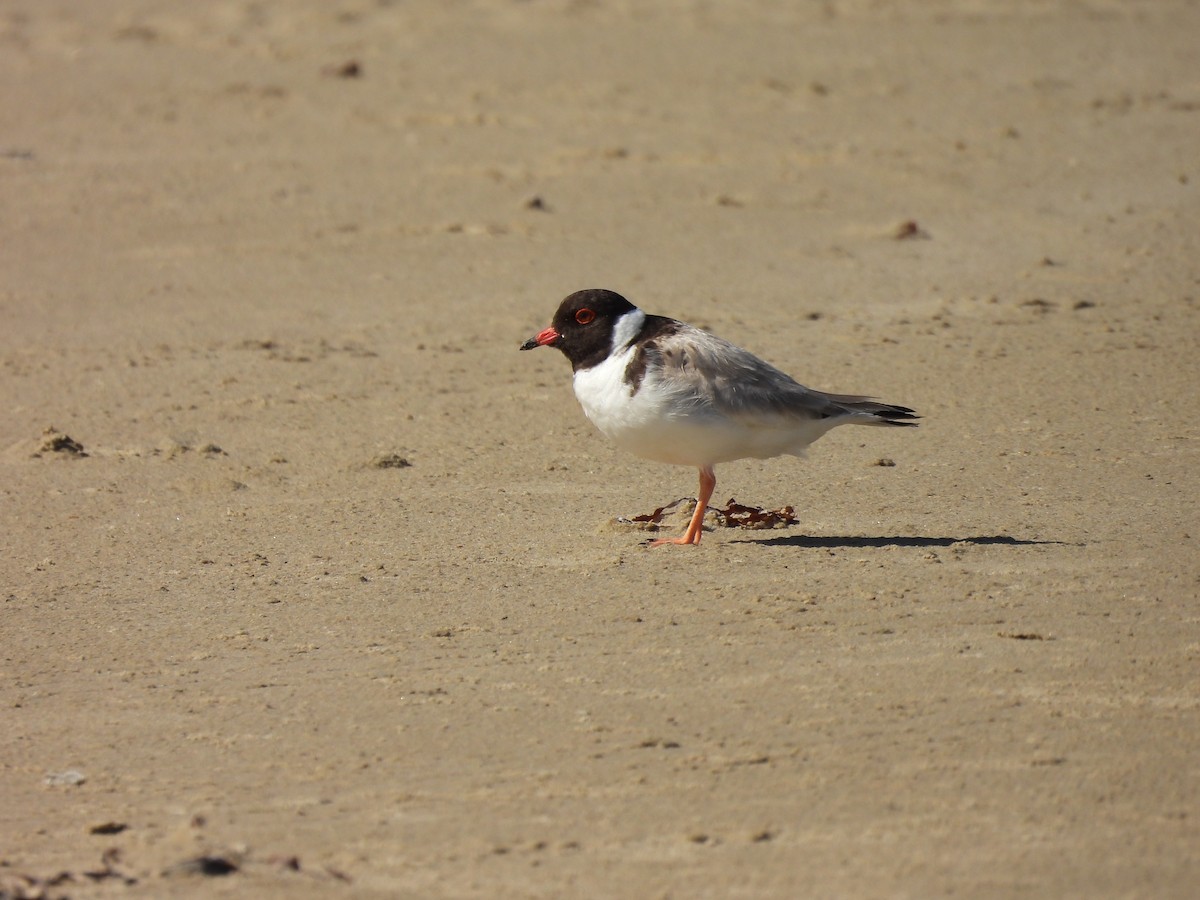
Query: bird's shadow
[[812, 541]]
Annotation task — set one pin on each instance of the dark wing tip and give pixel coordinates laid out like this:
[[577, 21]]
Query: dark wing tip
[[896, 415], [884, 413]]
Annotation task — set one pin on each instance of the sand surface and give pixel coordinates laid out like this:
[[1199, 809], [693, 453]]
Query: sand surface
[[314, 576]]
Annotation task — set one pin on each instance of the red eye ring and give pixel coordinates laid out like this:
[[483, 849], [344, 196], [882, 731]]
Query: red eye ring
[[584, 316]]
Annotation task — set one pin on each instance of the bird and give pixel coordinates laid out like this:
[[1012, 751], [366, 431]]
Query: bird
[[673, 393]]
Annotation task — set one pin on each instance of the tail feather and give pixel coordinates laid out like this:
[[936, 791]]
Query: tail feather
[[882, 413]]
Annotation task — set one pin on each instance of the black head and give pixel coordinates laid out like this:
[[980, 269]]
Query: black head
[[583, 326]]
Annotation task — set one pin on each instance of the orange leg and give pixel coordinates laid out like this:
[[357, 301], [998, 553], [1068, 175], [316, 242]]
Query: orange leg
[[708, 483]]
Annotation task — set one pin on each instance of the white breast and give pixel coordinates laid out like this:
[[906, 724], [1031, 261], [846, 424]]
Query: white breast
[[610, 403]]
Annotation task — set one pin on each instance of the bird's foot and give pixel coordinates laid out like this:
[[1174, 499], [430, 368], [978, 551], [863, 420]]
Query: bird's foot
[[684, 539]]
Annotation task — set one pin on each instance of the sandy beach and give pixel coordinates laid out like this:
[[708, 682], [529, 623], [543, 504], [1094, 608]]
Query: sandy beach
[[312, 584]]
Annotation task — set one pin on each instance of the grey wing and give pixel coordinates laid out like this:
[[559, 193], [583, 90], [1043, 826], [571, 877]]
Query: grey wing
[[722, 378]]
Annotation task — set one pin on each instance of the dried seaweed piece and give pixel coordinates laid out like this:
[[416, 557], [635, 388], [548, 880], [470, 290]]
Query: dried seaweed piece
[[656, 517], [738, 515], [734, 515], [672, 515]]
